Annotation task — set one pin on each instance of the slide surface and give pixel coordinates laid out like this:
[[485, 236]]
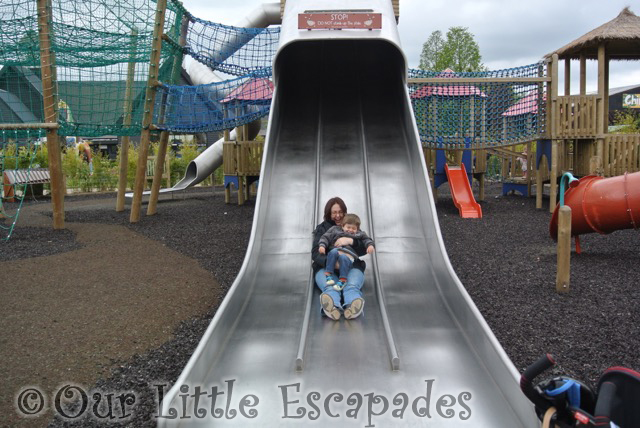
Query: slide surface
[[341, 124], [462, 193]]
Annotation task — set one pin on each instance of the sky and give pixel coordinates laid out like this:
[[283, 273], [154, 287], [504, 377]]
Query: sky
[[510, 33]]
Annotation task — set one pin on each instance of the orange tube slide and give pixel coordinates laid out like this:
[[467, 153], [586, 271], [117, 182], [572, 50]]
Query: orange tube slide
[[601, 205]]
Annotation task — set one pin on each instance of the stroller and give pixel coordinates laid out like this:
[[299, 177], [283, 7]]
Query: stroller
[[563, 402]]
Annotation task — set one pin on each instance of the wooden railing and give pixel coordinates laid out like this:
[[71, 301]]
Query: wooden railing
[[576, 116], [621, 154], [243, 158]]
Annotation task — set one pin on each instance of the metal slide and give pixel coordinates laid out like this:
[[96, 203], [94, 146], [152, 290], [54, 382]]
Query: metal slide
[[421, 354]]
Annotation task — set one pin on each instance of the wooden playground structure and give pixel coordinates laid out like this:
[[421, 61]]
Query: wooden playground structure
[[575, 138], [571, 136], [241, 161]]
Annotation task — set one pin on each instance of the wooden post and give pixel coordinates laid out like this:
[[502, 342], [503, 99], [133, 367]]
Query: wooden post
[[539, 184], [150, 95], [605, 127], [553, 179], [50, 105], [583, 74], [483, 141], [530, 160], [158, 172], [601, 122], [126, 121], [563, 273], [152, 207], [567, 77]]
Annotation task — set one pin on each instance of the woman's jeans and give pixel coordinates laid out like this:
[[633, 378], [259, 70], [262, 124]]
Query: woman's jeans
[[351, 291], [345, 262]]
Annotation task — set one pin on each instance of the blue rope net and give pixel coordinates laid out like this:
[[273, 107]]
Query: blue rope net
[[233, 50], [14, 159], [215, 106], [453, 114]]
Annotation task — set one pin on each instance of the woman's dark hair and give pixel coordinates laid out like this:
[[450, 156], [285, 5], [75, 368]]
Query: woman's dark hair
[[330, 203]]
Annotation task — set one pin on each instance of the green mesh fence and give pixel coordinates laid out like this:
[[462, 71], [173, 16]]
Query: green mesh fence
[[485, 113], [16, 161], [94, 42], [102, 50]]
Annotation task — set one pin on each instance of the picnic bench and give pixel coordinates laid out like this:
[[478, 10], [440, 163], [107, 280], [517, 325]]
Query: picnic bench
[[34, 178]]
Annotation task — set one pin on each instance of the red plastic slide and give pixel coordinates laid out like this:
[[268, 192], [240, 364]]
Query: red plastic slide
[[601, 205], [462, 193]]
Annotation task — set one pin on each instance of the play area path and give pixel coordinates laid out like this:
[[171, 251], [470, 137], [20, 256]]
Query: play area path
[[75, 315]]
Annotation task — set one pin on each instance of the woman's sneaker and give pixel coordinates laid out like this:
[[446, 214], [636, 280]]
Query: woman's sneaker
[[329, 308], [354, 310]]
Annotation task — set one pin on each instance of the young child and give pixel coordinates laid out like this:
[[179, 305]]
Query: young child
[[344, 256]]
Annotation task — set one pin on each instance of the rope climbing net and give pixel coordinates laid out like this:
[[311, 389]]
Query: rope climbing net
[[479, 109], [16, 163], [232, 50], [102, 48]]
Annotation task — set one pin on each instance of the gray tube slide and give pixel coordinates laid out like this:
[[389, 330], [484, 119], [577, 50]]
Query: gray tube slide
[[421, 354], [208, 161]]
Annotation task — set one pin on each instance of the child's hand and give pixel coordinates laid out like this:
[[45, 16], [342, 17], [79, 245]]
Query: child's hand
[[321, 250], [370, 249], [344, 241]]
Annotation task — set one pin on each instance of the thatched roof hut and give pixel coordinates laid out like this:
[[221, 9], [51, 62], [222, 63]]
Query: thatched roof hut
[[621, 35]]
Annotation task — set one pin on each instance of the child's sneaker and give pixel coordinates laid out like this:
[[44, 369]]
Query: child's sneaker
[[354, 310], [340, 285], [329, 308], [329, 277]]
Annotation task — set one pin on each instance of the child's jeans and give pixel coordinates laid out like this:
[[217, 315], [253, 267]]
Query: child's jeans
[[345, 262]]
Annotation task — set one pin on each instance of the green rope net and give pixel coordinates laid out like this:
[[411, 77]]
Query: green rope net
[[16, 162], [101, 49]]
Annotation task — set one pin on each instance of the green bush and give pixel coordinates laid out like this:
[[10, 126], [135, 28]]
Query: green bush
[[628, 122], [12, 157], [105, 171], [188, 152], [41, 158]]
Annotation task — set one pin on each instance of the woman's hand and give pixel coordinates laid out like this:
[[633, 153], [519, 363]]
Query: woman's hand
[[370, 249], [322, 250], [343, 242]]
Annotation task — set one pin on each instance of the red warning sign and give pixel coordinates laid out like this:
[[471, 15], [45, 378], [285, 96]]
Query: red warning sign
[[339, 20]]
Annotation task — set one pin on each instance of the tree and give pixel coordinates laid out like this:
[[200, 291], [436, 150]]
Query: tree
[[432, 52], [459, 51]]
